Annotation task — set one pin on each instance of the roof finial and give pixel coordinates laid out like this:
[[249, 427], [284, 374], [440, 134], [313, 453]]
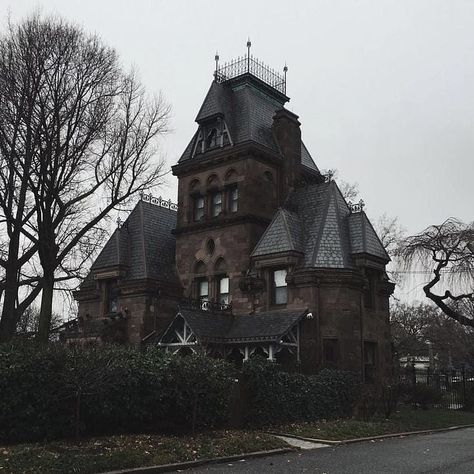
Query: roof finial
[[249, 44], [216, 58], [285, 69]]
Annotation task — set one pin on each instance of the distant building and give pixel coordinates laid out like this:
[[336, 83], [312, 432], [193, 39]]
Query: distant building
[[261, 255]]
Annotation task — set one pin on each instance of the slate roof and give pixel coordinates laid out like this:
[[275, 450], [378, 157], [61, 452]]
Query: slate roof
[[248, 113], [284, 234], [328, 234], [269, 326], [144, 244], [364, 239]]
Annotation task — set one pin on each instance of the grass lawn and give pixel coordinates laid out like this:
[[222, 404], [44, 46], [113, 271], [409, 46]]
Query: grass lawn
[[405, 419], [119, 452]]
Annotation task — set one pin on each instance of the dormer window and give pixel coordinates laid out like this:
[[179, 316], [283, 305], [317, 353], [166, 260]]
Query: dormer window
[[216, 203], [211, 141], [213, 134], [198, 208]]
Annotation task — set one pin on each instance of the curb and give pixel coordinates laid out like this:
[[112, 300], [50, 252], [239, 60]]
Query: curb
[[200, 462], [370, 438]]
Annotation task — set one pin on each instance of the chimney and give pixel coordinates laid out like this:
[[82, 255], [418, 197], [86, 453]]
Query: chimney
[[286, 128]]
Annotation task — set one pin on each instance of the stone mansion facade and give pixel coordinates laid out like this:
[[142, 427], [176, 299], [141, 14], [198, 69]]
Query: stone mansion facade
[[261, 254]]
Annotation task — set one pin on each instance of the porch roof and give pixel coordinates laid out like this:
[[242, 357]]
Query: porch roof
[[225, 328]]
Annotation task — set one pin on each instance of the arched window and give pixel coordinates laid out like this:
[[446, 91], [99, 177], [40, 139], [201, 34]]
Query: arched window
[[200, 268], [194, 184], [231, 175], [220, 266], [212, 180], [210, 246]]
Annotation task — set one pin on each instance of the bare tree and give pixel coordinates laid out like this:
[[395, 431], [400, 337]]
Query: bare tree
[[96, 143], [350, 191], [446, 249], [390, 232], [19, 88]]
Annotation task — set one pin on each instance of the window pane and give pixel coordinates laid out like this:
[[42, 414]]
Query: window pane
[[224, 285], [279, 278], [234, 199], [203, 288], [198, 208], [281, 295], [216, 204]]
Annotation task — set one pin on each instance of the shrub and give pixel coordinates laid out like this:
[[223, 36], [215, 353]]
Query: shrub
[[54, 391], [275, 396]]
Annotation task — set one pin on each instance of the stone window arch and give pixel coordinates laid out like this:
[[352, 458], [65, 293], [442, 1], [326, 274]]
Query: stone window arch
[[231, 175], [194, 185], [200, 268]]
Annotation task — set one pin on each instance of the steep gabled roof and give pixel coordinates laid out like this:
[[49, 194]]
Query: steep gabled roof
[[145, 244], [327, 232], [269, 326], [284, 234]]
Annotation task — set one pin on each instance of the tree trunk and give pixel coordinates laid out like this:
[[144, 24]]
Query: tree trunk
[[46, 310], [9, 314]]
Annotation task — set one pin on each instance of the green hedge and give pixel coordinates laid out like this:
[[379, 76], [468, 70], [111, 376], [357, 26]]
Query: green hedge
[[56, 392], [275, 396]]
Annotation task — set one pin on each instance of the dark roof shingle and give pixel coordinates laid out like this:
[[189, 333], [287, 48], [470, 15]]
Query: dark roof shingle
[[227, 328], [144, 244], [327, 232]]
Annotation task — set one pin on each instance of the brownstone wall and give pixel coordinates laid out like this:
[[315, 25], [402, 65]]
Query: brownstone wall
[[257, 193]]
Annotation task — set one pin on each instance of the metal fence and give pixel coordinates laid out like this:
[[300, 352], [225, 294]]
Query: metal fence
[[452, 386]]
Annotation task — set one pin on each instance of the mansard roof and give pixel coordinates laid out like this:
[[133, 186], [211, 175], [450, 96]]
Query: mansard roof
[[328, 233], [144, 245], [248, 112], [227, 328]]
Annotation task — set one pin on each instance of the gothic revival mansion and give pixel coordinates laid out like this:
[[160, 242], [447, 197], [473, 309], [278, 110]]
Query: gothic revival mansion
[[261, 254]]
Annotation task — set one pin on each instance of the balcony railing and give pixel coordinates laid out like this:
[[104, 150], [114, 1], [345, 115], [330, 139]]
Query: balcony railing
[[213, 306], [159, 201]]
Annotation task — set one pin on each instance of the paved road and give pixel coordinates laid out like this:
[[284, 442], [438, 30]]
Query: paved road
[[440, 453]]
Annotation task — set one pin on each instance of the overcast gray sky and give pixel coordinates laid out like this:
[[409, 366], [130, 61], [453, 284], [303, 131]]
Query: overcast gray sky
[[384, 89]]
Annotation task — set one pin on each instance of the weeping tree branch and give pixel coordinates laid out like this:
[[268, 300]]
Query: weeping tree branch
[[448, 250]]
